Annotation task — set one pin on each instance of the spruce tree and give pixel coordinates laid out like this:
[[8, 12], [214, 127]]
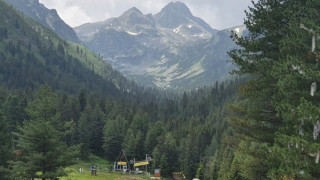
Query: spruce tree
[[129, 144], [84, 134], [153, 134], [166, 155], [113, 134], [200, 171], [40, 139]]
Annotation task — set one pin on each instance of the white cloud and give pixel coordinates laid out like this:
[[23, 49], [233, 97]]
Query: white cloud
[[75, 15], [219, 14]]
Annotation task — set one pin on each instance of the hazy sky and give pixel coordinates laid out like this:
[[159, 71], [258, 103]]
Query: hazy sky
[[220, 14]]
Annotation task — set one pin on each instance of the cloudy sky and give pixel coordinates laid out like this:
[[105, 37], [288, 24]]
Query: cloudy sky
[[220, 14]]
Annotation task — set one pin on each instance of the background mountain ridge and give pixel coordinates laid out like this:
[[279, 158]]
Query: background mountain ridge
[[47, 17], [171, 48]]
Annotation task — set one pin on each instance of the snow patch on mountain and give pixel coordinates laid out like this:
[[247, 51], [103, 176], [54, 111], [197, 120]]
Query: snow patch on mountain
[[133, 33], [176, 30]]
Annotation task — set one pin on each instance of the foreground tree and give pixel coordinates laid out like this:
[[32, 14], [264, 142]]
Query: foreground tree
[[44, 153], [278, 120]]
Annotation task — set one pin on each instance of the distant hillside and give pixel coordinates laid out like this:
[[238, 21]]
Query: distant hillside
[[46, 17], [32, 55]]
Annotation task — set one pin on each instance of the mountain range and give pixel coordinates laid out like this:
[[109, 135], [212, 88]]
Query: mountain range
[[172, 48]]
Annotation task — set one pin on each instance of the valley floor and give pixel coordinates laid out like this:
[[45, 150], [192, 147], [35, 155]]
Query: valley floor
[[103, 171], [102, 176]]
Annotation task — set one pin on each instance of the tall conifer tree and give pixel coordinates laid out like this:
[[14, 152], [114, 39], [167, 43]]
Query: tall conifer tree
[[279, 114], [40, 139]]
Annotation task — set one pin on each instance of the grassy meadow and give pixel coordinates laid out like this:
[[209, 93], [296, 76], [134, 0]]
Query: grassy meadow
[[104, 171]]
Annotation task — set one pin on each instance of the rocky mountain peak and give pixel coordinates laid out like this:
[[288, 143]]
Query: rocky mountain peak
[[53, 12], [134, 16], [131, 11], [173, 15], [176, 8]]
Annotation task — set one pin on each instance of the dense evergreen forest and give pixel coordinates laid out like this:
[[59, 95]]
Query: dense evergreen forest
[[179, 134], [60, 102]]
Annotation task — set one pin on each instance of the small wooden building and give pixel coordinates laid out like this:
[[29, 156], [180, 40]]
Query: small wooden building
[[157, 173]]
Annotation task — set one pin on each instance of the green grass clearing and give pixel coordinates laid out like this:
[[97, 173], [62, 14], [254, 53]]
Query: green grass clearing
[[104, 171]]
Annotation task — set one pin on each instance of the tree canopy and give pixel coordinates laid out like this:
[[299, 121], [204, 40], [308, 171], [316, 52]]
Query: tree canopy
[[276, 121]]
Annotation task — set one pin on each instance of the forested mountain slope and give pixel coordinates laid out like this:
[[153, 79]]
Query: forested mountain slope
[[46, 17], [32, 55]]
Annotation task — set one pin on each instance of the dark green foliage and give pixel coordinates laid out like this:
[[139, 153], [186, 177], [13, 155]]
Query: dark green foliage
[[6, 151], [200, 171], [181, 138], [84, 133], [114, 132], [31, 56], [154, 132], [14, 110], [164, 166], [130, 145], [118, 133], [97, 122], [166, 155], [96, 108], [40, 139], [82, 101], [275, 122], [190, 154]]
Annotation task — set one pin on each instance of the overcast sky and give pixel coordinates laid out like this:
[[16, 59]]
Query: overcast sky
[[219, 14]]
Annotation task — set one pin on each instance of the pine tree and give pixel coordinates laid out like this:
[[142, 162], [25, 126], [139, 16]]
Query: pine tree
[[40, 139], [82, 101], [154, 132], [97, 122], [200, 171], [129, 144], [296, 143], [140, 122], [279, 115], [140, 151], [164, 166], [84, 134], [113, 134], [14, 111], [166, 155]]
